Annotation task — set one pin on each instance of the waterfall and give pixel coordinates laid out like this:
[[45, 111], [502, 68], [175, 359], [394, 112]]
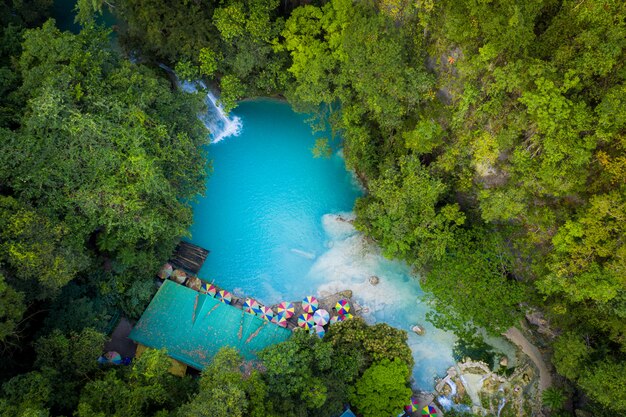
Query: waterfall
[[220, 125], [452, 385], [502, 401], [447, 402], [501, 406]]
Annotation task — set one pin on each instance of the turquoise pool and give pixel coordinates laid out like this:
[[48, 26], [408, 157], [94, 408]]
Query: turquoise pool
[[272, 219]]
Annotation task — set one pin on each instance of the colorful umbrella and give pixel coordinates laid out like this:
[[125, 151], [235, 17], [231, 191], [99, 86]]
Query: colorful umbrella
[[266, 313], [166, 271], [335, 319], [179, 276], [429, 411], [306, 321], [413, 406], [346, 317], [319, 330], [250, 306], [286, 309], [342, 307], [280, 319], [113, 357], [224, 296], [310, 304], [208, 289], [321, 317]]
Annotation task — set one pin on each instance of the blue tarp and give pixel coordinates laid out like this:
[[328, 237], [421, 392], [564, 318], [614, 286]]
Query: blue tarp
[[347, 413]]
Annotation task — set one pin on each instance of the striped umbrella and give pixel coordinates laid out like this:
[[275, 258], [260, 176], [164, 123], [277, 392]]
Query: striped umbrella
[[321, 317], [342, 307], [208, 289], [413, 406], [266, 313], [250, 306], [429, 411], [286, 309], [166, 271], [224, 296], [179, 276], [309, 304], [113, 357], [280, 319], [306, 321], [318, 330], [335, 319]]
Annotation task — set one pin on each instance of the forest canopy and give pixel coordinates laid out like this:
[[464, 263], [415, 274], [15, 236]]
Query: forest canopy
[[490, 137]]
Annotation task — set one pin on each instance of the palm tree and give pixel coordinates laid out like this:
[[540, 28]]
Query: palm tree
[[553, 398]]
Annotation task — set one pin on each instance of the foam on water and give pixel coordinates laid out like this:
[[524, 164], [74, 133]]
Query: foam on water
[[220, 124], [397, 299]]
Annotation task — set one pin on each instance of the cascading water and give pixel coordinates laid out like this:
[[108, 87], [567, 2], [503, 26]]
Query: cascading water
[[501, 406], [220, 124]]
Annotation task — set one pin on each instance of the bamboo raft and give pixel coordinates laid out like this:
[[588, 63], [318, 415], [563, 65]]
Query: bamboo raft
[[189, 257]]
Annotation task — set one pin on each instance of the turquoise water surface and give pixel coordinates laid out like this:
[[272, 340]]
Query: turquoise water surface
[[273, 219]]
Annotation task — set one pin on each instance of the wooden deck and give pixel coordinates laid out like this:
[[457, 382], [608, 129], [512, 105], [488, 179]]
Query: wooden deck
[[189, 257]]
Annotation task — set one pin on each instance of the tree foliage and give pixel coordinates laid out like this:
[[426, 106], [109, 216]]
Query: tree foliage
[[377, 393], [105, 152]]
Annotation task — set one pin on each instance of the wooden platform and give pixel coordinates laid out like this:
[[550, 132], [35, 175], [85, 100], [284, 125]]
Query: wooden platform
[[189, 257]]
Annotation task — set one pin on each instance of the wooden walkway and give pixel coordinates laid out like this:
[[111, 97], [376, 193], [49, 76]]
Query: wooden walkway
[[189, 257]]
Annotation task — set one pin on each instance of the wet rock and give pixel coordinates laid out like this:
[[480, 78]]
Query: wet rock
[[374, 280], [346, 293], [419, 330]]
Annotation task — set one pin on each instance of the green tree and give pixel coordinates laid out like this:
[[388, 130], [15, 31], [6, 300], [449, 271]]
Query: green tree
[[37, 249], [26, 395], [68, 362], [553, 398], [473, 280], [12, 308], [293, 373], [143, 389], [405, 213], [225, 392], [109, 155], [382, 390], [360, 345]]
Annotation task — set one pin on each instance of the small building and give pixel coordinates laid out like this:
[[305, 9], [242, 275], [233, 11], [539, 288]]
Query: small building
[[193, 326]]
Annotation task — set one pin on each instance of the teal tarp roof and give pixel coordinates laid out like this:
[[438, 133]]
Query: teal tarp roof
[[193, 326]]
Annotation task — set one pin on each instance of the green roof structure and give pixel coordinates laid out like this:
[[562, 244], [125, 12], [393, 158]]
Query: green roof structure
[[194, 326]]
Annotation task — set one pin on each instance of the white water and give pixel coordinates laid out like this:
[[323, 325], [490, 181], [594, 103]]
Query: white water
[[452, 387], [502, 402], [349, 262], [501, 406], [215, 119], [219, 124]]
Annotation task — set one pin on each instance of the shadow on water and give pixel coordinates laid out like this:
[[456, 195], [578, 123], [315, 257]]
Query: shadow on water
[[64, 14]]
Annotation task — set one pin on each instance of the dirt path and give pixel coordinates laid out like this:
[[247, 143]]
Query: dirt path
[[515, 336]]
